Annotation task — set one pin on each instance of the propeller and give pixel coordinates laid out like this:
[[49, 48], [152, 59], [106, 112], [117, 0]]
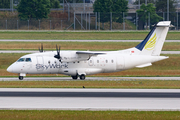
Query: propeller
[[58, 53], [41, 49]]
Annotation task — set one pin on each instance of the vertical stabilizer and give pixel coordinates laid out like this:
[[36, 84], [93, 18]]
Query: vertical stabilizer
[[153, 43]]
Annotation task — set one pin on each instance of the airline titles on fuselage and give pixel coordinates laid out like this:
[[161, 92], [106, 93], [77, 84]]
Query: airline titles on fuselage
[[50, 66]]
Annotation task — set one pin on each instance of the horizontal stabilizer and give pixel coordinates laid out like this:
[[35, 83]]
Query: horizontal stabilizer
[[144, 65], [164, 24]]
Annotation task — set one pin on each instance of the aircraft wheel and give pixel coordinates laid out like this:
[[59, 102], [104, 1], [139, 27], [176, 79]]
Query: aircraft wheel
[[20, 77], [82, 77], [74, 77]]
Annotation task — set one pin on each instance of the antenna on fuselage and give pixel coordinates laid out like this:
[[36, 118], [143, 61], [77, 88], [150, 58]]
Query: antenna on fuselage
[[41, 49], [58, 53]]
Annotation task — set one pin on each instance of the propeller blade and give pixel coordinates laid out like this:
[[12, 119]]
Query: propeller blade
[[41, 49], [58, 53], [56, 48]]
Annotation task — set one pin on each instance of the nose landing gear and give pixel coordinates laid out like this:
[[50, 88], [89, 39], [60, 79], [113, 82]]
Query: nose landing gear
[[21, 76]]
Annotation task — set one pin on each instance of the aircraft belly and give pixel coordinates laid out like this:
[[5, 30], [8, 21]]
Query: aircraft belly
[[92, 71]]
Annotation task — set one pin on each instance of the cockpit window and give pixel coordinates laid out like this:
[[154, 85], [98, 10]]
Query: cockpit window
[[24, 60], [21, 60], [28, 59]]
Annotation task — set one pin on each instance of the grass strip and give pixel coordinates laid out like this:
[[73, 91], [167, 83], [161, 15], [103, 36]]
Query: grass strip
[[89, 115], [94, 46], [131, 84], [95, 35]]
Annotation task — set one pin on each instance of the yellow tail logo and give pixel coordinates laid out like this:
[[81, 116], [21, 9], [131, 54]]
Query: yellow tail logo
[[151, 43]]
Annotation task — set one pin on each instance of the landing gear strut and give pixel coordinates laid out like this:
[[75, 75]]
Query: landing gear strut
[[74, 77], [20, 77]]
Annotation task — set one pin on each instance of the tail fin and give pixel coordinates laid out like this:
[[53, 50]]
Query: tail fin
[[153, 43]]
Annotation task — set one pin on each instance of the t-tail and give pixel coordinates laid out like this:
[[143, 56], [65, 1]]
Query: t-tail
[[153, 43]]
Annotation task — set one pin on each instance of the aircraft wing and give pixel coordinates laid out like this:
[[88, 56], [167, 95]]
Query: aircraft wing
[[89, 53], [79, 55], [86, 55]]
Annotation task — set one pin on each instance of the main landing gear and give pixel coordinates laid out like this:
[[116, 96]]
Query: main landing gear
[[21, 77], [82, 77], [74, 77]]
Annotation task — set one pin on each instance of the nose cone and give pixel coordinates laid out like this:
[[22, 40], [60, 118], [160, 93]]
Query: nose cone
[[10, 69]]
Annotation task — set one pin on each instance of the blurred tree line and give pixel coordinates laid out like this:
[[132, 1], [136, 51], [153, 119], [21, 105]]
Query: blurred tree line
[[151, 10], [161, 5], [105, 7], [39, 9], [4, 3], [36, 8]]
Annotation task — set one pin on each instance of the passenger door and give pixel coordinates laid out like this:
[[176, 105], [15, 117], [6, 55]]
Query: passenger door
[[40, 63]]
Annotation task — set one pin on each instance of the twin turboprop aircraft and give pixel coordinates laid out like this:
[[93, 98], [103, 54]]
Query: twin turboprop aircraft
[[81, 63]]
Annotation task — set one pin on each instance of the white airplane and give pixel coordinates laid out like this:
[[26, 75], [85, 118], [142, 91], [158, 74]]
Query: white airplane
[[81, 63]]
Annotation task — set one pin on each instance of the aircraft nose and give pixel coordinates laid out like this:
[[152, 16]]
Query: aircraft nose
[[10, 69]]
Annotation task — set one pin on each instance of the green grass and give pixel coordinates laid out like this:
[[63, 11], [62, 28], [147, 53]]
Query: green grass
[[94, 46], [89, 115], [95, 35], [130, 84]]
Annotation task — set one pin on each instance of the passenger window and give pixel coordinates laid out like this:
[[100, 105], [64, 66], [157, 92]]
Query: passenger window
[[112, 61], [97, 61], [21, 60], [106, 61], [28, 59]]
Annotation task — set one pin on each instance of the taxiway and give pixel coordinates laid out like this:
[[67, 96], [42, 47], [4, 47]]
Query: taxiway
[[90, 99], [87, 78]]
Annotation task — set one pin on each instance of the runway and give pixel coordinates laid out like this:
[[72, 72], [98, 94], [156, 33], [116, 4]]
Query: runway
[[33, 51], [87, 78], [90, 99]]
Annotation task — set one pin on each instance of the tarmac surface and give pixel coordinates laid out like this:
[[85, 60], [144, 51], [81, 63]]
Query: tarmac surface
[[90, 99], [87, 78]]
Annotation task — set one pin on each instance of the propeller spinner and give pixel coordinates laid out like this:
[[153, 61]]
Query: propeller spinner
[[58, 53]]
